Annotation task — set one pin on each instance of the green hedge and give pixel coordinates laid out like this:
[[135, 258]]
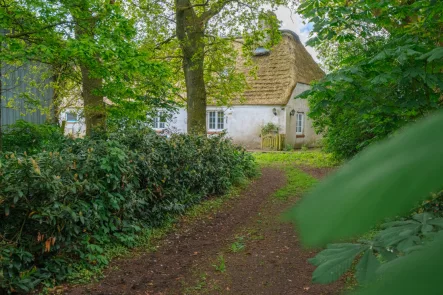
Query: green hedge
[[32, 138], [60, 207]]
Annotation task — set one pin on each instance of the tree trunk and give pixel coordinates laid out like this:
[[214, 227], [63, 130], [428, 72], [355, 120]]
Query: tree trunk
[[94, 110], [190, 33], [94, 107], [55, 103], [196, 95], [1, 106]]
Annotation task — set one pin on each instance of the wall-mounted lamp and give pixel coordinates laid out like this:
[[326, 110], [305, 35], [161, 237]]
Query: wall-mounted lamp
[[292, 113], [274, 111]]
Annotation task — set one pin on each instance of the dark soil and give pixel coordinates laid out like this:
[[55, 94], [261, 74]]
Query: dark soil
[[189, 260]]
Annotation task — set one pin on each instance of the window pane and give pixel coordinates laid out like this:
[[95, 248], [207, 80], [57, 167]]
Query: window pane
[[220, 121], [160, 120], [156, 122], [71, 117], [299, 128], [211, 120]]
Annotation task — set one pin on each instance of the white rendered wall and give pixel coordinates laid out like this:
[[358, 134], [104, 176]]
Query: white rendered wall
[[300, 105], [245, 123], [76, 129], [242, 123], [178, 121]]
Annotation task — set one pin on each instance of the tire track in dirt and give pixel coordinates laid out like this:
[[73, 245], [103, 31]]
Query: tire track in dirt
[[164, 271], [273, 262]]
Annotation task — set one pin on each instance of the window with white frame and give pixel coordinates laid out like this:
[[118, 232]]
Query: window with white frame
[[300, 123], [160, 120], [71, 117], [216, 120]]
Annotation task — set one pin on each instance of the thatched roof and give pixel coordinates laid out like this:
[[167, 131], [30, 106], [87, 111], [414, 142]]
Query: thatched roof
[[279, 72]]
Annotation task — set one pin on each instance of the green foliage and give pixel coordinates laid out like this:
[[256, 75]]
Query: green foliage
[[289, 147], [386, 68], [434, 205], [384, 181], [223, 22], [408, 157], [269, 128], [95, 38], [23, 136], [58, 208], [334, 261], [395, 240]]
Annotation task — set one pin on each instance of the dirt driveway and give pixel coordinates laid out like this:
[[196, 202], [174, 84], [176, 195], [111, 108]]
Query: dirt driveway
[[242, 249]]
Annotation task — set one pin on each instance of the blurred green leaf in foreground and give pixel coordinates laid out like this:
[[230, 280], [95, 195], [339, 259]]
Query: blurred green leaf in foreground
[[385, 181]]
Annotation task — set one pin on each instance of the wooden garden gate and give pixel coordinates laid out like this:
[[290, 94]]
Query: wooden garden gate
[[274, 142]]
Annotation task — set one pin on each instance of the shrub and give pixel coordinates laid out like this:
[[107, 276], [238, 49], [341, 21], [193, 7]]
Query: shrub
[[434, 205], [289, 147], [60, 207], [269, 128], [24, 136], [383, 182]]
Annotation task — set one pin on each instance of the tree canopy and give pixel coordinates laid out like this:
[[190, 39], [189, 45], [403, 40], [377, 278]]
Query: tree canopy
[[93, 44], [385, 68], [198, 38]]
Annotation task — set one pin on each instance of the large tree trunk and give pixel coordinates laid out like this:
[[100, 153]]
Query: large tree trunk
[[55, 103], [94, 107], [190, 33], [196, 94], [1, 106]]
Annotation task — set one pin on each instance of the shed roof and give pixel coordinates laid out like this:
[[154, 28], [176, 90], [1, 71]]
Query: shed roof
[[279, 72]]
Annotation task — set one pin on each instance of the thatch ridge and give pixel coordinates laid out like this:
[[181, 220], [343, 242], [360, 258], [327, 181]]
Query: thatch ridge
[[279, 72]]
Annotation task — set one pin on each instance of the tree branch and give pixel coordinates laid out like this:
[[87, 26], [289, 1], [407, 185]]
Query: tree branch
[[158, 46], [217, 7], [196, 5], [23, 34]]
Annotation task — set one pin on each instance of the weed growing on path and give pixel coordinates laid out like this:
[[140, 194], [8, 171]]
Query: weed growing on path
[[221, 264], [238, 245]]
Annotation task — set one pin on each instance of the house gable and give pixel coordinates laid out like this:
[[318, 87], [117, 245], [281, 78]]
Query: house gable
[[278, 73]]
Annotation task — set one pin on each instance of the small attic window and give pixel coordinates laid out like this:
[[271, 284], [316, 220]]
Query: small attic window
[[261, 51]]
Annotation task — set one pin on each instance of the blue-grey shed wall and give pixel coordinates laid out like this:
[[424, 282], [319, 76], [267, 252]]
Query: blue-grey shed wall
[[16, 81]]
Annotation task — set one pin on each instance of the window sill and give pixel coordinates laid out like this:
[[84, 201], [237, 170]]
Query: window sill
[[212, 132], [300, 136]]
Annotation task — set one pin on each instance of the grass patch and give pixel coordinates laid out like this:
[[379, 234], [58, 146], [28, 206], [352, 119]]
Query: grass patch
[[313, 158], [298, 182]]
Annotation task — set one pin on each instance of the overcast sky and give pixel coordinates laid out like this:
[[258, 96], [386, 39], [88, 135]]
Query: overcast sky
[[294, 23]]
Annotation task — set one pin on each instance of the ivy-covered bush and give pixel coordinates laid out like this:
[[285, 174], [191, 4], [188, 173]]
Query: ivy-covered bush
[[60, 207]]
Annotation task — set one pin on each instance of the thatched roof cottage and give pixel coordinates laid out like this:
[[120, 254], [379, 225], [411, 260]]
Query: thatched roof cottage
[[282, 73]]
